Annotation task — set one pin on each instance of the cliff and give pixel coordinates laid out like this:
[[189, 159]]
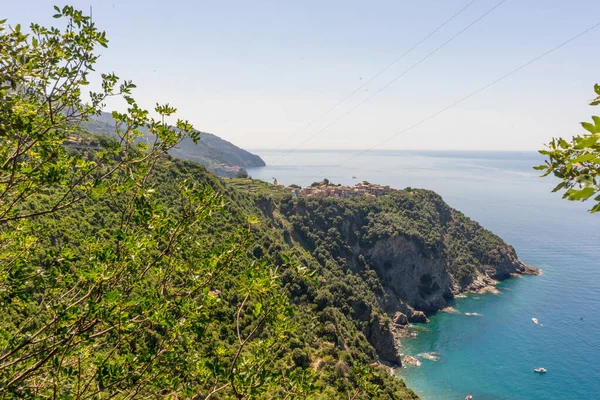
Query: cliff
[[409, 250]]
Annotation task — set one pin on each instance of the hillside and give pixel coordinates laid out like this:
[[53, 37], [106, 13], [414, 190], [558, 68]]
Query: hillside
[[219, 156], [371, 266], [387, 261]]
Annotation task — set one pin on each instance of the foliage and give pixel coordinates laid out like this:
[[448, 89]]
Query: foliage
[[108, 281], [469, 247], [242, 174], [211, 151], [577, 162], [334, 228], [258, 188]]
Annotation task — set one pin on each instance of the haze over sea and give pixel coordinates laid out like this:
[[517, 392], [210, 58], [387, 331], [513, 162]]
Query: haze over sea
[[492, 356]]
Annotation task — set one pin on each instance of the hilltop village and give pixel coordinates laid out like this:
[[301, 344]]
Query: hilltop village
[[326, 189]]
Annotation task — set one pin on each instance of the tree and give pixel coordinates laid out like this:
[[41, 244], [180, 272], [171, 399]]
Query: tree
[[127, 310], [576, 162]]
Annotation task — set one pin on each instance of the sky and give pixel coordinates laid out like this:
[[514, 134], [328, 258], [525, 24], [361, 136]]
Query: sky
[[257, 72]]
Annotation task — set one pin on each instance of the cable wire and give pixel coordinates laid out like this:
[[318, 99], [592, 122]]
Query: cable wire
[[464, 98], [377, 74], [393, 80]]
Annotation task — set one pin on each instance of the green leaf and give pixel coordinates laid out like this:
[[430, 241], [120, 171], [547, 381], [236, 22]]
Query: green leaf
[[596, 121], [559, 186], [257, 309], [581, 194], [563, 143], [589, 127], [596, 208], [587, 141], [585, 157], [540, 167]]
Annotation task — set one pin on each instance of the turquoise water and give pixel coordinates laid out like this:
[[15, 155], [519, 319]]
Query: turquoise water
[[492, 356]]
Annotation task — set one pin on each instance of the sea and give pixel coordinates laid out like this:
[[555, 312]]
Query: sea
[[491, 356]]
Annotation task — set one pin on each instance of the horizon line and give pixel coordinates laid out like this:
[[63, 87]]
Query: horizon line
[[253, 149]]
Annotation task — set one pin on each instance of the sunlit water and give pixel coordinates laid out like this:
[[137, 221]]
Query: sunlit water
[[493, 356]]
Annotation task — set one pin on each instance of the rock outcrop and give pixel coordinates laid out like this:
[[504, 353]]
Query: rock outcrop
[[382, 338], [413, 252], [410, 276]]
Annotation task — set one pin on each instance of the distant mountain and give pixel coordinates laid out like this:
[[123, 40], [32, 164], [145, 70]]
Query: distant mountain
[[218, 155]]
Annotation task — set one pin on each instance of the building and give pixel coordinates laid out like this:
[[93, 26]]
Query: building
[[324, 190]]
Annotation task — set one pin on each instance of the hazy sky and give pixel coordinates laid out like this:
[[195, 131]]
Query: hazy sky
[[256, 72]]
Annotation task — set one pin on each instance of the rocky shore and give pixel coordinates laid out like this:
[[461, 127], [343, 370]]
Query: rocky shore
[[482, 283], [486, 283]]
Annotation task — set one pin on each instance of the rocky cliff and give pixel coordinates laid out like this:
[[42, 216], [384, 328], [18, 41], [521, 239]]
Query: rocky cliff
[[411, 251]]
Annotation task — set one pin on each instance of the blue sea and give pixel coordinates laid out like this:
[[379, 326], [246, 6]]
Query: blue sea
[[492, 356]]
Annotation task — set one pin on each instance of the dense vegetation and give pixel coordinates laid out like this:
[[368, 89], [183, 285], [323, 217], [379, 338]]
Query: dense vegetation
[[332, 228], [245, 276], [576, 162], [126, 273], [210, 150]]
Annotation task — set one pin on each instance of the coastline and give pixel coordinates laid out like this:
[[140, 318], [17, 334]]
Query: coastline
[[482, 286], [492, 356]]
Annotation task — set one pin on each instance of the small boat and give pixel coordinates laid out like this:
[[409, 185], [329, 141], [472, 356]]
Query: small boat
[[473, 314], [469, 397], [535, 321], [353, 177], [540, 370]]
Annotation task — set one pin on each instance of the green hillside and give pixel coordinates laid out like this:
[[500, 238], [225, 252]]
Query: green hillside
[[218, 155]]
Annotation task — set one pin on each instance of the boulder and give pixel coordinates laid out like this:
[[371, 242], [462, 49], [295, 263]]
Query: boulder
[[418, 317], [400, 319]]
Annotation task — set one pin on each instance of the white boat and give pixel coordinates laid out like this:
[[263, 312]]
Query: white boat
[[473, 314], [535, 321], [540, 370]]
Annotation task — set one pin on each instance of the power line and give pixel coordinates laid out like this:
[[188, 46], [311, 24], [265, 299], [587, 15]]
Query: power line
[[464, 98], [376, 75], [395, 79]]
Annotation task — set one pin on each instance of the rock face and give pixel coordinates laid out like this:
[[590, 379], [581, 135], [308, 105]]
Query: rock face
[[400, 319], [381, 337], [489, 275], [414, 280], [410, 276], [411, 249]]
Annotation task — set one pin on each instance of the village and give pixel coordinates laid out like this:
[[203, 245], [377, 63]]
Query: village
[[326, 189]]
